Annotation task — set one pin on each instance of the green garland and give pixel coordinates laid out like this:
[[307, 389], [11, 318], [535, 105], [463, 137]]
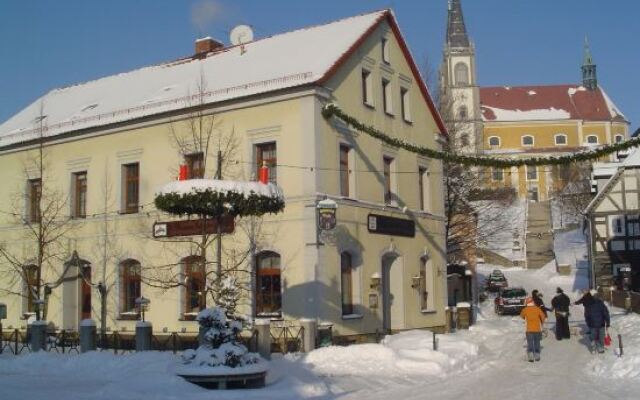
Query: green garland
[[332, 110], [215, 204]]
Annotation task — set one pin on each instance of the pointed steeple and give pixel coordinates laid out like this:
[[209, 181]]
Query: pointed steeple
[[589, 76], [456, 30]]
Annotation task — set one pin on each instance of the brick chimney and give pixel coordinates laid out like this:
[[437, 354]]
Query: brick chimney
[[206, 45]]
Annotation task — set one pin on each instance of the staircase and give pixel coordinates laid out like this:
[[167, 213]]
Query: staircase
[[539, 238]]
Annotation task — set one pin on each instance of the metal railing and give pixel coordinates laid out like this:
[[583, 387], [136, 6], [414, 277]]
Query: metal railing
[[287, 339]]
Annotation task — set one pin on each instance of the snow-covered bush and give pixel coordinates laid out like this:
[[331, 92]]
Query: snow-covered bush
[[219, 346]]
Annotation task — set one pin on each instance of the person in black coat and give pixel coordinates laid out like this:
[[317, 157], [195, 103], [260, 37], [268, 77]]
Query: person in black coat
[[537, 298], [560, 305], [596, 315]]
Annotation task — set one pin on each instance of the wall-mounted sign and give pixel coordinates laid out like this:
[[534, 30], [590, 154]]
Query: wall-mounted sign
[[327, 214], [384, 225], [373, 300], [192, 227]]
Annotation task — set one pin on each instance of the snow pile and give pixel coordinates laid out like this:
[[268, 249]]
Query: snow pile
[[220, 186], [528, 115], [404, 354], [613, 109], [571, 248], [573, 90], [627, 366]]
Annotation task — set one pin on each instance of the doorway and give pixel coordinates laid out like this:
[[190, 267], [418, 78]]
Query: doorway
[[392, 293]]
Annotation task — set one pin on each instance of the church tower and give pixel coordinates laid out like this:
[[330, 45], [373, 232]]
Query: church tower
[[589, 76], [459, 92]]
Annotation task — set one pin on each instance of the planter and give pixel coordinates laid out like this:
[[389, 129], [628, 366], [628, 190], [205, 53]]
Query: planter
[[241, 380]]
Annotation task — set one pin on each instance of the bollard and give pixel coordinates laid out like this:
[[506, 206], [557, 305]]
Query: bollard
[[38, 335], [620, 345], [87, 335], [435, 342], [263, 326], [309, 335], [143, 335]]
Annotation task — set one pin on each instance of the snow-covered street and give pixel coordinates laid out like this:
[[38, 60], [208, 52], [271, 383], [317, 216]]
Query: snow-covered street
[[486, 362]]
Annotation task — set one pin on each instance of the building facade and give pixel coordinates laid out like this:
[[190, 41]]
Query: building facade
[[110, 144], [525, 121]]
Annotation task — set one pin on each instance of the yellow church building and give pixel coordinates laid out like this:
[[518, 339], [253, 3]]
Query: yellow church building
[[525, 121]]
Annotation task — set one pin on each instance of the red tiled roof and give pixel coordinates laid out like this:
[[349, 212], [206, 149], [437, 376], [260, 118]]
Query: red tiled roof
[[504, 103]]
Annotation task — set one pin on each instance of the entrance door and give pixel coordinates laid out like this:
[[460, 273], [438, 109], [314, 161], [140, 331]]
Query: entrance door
[[85, 293], [392, 294]]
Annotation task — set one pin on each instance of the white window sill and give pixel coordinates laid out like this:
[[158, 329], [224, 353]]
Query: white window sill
[[428, 311], [352, 316]]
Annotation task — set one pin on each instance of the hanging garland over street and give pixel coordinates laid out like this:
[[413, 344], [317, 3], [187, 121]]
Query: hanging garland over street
[[332, 110]]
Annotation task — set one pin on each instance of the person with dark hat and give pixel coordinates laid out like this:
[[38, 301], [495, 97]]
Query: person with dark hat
[[560, 306], [537, 298]]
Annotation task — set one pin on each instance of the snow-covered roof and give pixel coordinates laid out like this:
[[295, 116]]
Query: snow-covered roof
[[296, 58], [543, 103]]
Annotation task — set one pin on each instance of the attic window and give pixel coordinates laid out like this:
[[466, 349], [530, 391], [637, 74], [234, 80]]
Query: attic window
[[89, 107]]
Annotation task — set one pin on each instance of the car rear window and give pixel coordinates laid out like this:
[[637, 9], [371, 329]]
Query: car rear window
[[497, 278], [514, 293]]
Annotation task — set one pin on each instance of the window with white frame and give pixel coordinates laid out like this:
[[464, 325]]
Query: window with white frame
[[423, 188], [633, 225], [494, 141], [561, 139], [385, 51], [367, 88], [532, 173], [345, 170], [527, 140], [405, 103], [388, 170], [387, 103], [619, 138], [616, 225], [592, 139]]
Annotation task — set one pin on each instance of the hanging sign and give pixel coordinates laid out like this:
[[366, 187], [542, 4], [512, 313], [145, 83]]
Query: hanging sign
[[192, 227], [327, 214]]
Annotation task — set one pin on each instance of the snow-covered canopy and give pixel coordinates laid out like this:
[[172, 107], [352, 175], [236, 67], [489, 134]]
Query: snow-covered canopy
[[214, 185], [282, 61]]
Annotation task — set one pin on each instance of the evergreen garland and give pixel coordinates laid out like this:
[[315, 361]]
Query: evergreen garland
[[332, 110], [212, 203]]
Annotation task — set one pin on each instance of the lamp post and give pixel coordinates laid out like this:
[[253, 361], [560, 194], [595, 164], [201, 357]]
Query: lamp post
[[142, 303]]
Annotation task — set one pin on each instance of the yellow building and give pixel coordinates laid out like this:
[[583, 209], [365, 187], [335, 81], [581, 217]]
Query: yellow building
[[525, 121], [109, 144]]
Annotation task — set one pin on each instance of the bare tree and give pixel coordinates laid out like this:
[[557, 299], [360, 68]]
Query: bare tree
[[42, 214]]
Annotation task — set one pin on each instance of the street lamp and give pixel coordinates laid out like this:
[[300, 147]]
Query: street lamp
[[142, 303]]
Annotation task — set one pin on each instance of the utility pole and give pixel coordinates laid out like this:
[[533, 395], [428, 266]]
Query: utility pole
[[218, 283]]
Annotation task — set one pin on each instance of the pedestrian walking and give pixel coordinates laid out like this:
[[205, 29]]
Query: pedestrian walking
[[596, 315], [537, 299], [560, 306], [534, 318]]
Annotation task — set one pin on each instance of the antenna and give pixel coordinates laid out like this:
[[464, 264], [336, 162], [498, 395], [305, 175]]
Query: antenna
[[241, 34]]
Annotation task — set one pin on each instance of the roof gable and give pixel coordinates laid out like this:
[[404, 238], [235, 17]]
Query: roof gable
[[301, 57], [543, 103]]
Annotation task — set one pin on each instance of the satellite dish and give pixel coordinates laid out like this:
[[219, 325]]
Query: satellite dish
[[241, 34]]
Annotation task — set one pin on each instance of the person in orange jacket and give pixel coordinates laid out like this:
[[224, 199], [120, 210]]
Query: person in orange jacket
[[534, 318]]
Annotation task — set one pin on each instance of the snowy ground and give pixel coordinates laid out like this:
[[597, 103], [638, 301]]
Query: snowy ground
[[485, 362]]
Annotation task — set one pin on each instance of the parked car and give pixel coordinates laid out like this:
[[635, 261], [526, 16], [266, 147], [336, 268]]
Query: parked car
[[510, 300], [496, 282]]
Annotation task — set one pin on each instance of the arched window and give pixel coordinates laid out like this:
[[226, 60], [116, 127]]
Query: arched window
[[592, 139], [30, 282], [461, 72], [346, 283], [527, 140], [494, 141], [561, 139], [130, 273], [464, 140], [268, 288], [462, 113], [619, 138], [194, 273]]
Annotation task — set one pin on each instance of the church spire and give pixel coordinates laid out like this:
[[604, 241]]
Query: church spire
[[589, 76], [456, 30]]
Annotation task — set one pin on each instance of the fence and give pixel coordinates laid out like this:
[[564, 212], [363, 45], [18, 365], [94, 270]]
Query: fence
[[287, 339], [63, 341]]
